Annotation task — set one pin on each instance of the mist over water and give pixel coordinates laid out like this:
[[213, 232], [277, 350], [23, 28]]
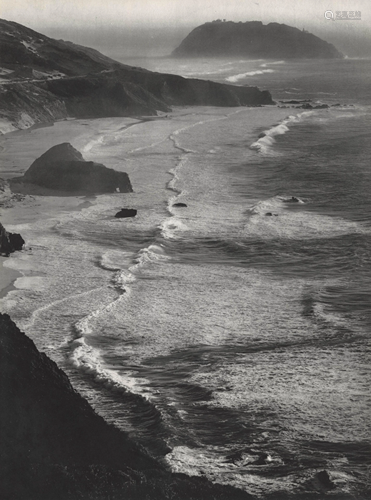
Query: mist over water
[[151, 40], [123, 43], [230, 337]]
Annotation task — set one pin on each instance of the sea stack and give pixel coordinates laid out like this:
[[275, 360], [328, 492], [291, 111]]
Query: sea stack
[[10, 242], [63, 169]]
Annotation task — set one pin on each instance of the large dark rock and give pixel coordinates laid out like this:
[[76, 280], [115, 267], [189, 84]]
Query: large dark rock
[[16, 241], [10, 242], [253, 39], [54, 446], [62, 168]]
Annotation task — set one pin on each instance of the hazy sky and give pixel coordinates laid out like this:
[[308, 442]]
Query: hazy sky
[[79, 20]]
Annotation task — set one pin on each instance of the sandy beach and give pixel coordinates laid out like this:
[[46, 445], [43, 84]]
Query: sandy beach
[[7, 277]]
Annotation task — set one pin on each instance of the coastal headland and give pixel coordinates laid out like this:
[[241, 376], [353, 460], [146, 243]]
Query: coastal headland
[[43, 80]]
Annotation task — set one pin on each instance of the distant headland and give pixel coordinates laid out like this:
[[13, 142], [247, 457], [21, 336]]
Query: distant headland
[[222, 38], [43, 80]]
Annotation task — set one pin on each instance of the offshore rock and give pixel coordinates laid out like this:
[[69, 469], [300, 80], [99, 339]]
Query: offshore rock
[[322, 482], [10, 242], [16, 241], [54, 446], [63, 169], [293, 199], [126, 212], [253, 39]]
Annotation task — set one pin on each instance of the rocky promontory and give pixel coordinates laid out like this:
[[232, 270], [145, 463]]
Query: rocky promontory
[[63, 169], [254, 39], [43, 80], [54, 446]]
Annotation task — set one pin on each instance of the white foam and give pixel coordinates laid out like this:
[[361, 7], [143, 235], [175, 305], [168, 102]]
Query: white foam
[[286, 223], [264, 144], [115, 260], [171, 228], [211, 462], [153, 253], [88, 359], [124, 278], [241, 76], [275, 204], [264, 65]]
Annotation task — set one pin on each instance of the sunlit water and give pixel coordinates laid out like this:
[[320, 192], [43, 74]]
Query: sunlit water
[[237, 327]]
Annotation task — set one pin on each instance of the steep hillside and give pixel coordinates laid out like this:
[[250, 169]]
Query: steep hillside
[[54, 446], [42, 80]]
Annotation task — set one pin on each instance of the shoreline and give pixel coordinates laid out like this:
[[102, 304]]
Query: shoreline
[[8, 276], [18, 149], [85, 134]]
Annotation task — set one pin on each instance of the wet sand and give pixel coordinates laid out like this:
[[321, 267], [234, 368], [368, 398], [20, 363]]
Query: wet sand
[[7, 277]]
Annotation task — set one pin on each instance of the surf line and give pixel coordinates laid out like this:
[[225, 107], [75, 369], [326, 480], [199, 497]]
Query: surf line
[[171, 225]]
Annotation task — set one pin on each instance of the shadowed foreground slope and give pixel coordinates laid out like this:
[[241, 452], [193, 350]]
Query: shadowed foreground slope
[[54, 446]]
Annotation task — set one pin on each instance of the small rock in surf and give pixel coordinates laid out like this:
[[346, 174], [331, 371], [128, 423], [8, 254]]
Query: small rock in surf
[[293, 199], [126, 212], [322, 482]]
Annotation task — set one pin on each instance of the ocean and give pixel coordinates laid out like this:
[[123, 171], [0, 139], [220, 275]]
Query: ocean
[[230, 337]]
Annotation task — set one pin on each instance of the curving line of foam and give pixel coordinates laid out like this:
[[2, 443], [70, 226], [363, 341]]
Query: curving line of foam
[[87, 358], [273, 63], [57, 302], [153, 253], [264, 144], [241, 76], [171, 226]]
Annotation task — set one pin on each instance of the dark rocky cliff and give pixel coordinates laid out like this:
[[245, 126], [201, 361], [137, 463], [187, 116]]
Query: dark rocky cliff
[[9, 242], [274, 40], [63, 168], [43, 80], [54, 446]]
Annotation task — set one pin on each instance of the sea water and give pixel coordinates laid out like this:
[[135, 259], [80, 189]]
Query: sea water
[[229, 337]]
